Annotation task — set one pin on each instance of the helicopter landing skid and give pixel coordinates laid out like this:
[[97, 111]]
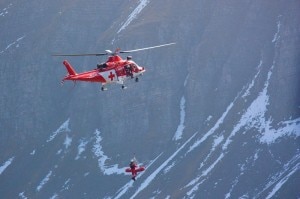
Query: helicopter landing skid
[[103, 88]]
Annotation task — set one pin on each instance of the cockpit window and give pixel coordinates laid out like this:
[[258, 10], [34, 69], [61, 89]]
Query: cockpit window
[[133, 65]]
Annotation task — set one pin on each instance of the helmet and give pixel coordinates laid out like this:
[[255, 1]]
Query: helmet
[[132, 160], [129, 57]]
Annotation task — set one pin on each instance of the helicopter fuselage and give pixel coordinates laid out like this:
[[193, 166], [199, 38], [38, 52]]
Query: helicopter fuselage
[[114, 70]]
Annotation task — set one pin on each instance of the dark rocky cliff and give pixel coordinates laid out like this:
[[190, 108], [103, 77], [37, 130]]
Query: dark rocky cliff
[[215, 116]]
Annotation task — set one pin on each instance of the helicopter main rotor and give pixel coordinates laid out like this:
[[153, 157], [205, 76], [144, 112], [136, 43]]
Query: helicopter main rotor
[[118, 50]]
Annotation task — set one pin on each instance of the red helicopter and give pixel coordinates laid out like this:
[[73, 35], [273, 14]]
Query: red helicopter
[[114, 70]]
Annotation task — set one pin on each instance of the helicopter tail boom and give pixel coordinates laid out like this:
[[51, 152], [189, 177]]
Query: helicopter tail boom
[[69, 68]]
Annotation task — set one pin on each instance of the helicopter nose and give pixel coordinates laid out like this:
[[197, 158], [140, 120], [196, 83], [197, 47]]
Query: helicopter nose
[[142, 69]]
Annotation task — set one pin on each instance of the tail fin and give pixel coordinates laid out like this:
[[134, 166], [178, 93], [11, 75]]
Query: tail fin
[[70, 69]]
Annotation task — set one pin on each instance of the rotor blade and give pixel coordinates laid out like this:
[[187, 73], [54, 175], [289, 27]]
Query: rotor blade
[[87, 54], [129, 51]]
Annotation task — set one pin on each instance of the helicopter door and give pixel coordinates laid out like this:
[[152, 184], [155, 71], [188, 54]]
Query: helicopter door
[[110, 75]]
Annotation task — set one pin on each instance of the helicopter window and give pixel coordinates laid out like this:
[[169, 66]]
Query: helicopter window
[[133, 65], [101, 66]]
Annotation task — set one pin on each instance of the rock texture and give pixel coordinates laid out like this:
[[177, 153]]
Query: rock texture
[[215, 116]]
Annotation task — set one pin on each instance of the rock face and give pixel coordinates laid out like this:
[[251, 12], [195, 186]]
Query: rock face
[[215, 116]]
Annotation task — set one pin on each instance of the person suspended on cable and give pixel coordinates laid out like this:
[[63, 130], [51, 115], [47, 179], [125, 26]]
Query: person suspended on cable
[[134, 168]]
